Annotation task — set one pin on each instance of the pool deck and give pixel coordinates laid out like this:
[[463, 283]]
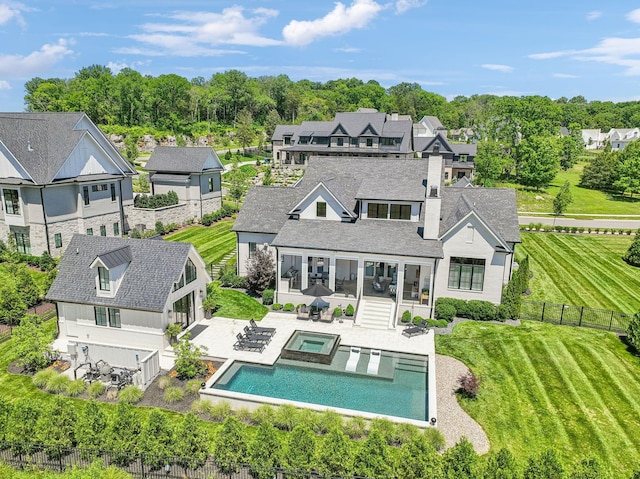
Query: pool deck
[[220, 336]]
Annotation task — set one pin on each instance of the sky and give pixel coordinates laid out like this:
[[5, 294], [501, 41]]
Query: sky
[[451, 47]]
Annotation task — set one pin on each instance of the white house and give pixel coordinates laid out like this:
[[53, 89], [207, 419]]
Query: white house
[[621, 137], [125, 292], [384, 236], [60, 175]]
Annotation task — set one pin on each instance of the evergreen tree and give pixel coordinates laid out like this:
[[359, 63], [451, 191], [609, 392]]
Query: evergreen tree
[[56, 426], [589, 469], [265, 453], [373, 458], [633, 331], [501, 466], [545, 466], [156, 441], [22, 425], [460, 461], [122, 434], [600, 172], [335, 454], [5, 411], [632, 256], [562, 199], [230, 446], [300, 450], [419, 460], [191, 444], [244, 129], [90, 430]]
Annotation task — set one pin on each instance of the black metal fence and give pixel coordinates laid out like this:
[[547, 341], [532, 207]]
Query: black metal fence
[[575, 315], [21, 456]]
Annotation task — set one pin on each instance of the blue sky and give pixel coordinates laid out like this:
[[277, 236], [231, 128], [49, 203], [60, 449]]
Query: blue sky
[[547, 47]]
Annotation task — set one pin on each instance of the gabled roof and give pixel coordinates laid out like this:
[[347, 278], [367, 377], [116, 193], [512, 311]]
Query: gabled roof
[[116, 257], [319, 186], [427, 143], [42, 142], [155, 265], [284, 130], [464, 148], [463, 182], [433, 122], [184, 159], [265, 209]]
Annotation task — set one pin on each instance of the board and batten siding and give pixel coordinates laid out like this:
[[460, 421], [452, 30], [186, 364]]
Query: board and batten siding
[[243, 248]]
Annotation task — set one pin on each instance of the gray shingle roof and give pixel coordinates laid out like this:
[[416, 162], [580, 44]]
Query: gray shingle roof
[[147, 282], [464, 148], [463, 182], [116, 257], [169, 177], [182, 159], [265, 209], [42, 142]]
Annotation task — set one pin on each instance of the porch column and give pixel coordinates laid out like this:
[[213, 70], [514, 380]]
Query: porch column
[[304, 274], [332, 273], [400, 283], [279, 259], [360, 282], [431, 281]]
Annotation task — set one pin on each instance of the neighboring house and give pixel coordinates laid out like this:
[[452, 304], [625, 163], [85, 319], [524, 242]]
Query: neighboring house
[[125, 292], [621, 137], [192, 172], [59, 175], [365, 133], [461, 134], [458, 157], [593, 139], [385, 238], [463, 182], [429, 126]]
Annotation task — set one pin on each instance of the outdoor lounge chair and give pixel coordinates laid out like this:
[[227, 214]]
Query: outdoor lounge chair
[[352, 362], [415, 330], [374, 361], [256, 337], [243, 344], [260, 329]]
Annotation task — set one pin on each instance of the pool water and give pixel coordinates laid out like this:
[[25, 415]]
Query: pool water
[[311, 346], [399, 389]]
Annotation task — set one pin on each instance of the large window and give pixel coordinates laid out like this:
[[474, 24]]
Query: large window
[[252, 250], [101, 187], [466, 273], [85, 195], [377, 210], [340, 142], [101, 316], [11, 202], [114, 317], [23, 243], [103, 319], [400, 212], [190, 271], [369, 141], [183, 309], [321, 209], [113, 191], [103, 276], [388, 141]]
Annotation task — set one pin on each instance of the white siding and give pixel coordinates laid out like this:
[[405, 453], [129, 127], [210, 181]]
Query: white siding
[[308, 207], [87, 158], [243, 248]]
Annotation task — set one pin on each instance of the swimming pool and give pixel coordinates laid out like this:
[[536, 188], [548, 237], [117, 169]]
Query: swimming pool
[[399, 387]]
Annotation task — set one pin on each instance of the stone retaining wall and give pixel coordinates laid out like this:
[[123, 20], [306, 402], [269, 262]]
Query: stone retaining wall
[[169, 214]]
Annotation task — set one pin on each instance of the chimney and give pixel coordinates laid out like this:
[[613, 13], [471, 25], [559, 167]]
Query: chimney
[[433, 198], [394, 116]]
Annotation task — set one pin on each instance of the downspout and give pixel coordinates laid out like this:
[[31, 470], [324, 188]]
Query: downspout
[[200, 183], [44, 215], [124, 225]]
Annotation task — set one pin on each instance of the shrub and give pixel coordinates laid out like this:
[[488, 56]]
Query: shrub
[[435, 438], [219, 411], [164, 382], [189, 363], [417, 320], [261, 270], [75, 388], [289, 307], [173, 394], [349, 310], [481, 310], [337, 312], [193, 387], [355, 427], [155, 201], [405, 432], [263, 413], [328, 420], [286, 417], [267, 296], [437, 323], [301, 306], [632, 256], [130, 395], [159, 228], [386, 428], [58, 383], [244, 415], [276, 306], [406, 316], [633, 331], [41, 378], [308, 418], [468, 385], [200, 406], [444, 310], [96, 389]]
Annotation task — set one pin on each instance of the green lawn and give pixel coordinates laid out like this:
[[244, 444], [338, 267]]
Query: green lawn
[[573, 390], [585, 201], [584, 270], [238, 305], [213, 242]]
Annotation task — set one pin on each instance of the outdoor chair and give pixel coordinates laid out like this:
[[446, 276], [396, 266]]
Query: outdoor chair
[[260, 329], [340, 284], [421, 328], [243, 344], [256, 337], [379, 285]]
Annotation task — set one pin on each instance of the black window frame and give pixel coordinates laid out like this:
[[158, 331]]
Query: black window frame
[[369, 142], [114, 318], [376, 210], [252, 249], [116, 229], [399, 212], [103, 230], [476, 268], [102, 318], [113, 191], [104, 281], [11, 207], [57, 239], [85, 195], [190, 272], [321, 209], [89, 231]]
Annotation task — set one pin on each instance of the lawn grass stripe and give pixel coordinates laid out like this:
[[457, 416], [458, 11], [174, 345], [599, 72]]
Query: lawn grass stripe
[[213, 242]]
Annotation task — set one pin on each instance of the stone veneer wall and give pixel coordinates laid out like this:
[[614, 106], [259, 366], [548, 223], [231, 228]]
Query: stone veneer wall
[[169, 214], [209, 205]]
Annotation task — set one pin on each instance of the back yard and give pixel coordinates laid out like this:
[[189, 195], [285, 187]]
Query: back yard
[[585, 270], [213, 242]]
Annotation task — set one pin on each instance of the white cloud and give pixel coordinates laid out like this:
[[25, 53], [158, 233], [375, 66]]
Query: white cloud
[[4, 85], [548, 55], [634, 15], [564, 75], [36, 63], [12, 11], [497, 67], [338, 21], [347, 50], [593, 15], [404, 5], [198, 33]]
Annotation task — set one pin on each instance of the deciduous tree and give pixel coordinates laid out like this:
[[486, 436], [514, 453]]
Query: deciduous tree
[[230, 446], [260, 270], [31, 343], [265, 452], [628, 169], [538, 161], [563, 199]]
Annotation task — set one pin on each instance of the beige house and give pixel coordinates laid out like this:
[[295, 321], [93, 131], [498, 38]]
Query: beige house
[[59, 175]]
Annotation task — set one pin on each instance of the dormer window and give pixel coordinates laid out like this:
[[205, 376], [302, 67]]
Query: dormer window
[[287, 140], [369, 141], [103, 279], [340, 142], [321, 209]]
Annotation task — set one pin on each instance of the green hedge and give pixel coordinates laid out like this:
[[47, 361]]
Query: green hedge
[[155, 201], [476, 310], [224, 212]]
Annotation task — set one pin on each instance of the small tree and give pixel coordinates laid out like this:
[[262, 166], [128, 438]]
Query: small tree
[[55, 427], [545, 466], [90, 429], [460, 461], [12, 306], [122, 434], [265, 452], [419, 460], [31, 343], [189, 363], [562, 199], [191, 442], [589, 469], [335, 454], [21, 425], [374, 458], [156, 440], [131, 148], [633, 331], [261, 270], [244, 129], [632, 256], [237, 183], [299, 453], [501, 466], [230, 446]]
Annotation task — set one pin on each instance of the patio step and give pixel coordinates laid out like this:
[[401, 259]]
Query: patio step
[[376, 314], [214, 270]]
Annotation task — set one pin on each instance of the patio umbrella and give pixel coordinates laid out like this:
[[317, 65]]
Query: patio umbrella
[[318, 290]]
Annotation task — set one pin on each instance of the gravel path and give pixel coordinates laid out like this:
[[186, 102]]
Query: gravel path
[[453, 421]]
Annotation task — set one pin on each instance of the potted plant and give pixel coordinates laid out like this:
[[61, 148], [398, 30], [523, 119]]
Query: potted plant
[[209, 304], [172, 332]]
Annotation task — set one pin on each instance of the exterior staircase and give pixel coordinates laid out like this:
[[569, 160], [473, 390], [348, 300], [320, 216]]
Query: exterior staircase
[[214, 269], [375, 314]]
